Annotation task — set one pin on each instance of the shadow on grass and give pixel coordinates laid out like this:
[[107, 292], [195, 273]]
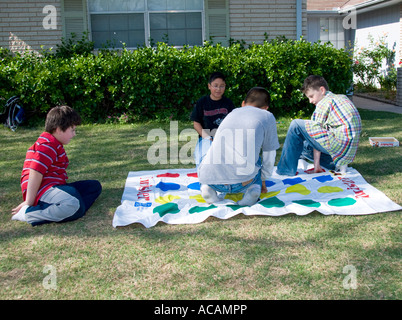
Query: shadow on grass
[[108, 153]]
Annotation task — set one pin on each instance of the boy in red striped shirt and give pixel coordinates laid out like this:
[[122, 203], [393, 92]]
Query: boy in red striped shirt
[[46, 194]]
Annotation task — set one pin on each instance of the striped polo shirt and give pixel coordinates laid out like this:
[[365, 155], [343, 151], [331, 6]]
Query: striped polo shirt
[[47, 156], [336, 125]]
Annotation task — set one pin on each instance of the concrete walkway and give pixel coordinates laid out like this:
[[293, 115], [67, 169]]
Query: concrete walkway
[[370, 104]]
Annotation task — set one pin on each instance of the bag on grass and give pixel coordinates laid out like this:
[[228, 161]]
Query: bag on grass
[[13, 114]]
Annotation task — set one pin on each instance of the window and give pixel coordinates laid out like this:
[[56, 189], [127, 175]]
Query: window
[[331, 29], [133, 23]]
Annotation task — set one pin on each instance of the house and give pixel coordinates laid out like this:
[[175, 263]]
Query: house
[[132, 23], [348, 23], [31, 24]]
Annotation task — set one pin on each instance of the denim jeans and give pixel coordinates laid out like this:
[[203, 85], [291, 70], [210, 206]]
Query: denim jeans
[[238, 187], [299, 143], [201, 150]]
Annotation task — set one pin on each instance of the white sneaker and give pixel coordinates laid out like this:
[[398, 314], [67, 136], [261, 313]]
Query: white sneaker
[[342, 169], [251, 196], [303, 164], [20, 215], [209, 194]]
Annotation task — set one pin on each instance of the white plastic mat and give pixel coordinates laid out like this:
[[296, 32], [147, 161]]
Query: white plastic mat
[[173, 196]]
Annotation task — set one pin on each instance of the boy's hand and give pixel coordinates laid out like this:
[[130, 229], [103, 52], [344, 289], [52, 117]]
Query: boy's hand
[[264, 188], [17, 208]]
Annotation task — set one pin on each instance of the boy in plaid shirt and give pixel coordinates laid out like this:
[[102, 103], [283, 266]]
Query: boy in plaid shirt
[[330, 138]]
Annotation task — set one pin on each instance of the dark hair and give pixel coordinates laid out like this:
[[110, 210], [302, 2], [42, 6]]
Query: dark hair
[[61, 117], [314, 82], [258, 97], [216, 75]]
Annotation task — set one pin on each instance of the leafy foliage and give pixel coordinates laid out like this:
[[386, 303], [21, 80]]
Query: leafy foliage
[[375, 63], [164, 82]]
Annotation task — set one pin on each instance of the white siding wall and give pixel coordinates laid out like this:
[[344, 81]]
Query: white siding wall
[[379, 23], [21, 25], [249, 20], [21, 22]]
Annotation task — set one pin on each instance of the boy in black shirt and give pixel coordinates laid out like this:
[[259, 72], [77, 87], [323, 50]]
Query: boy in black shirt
[[209, 112]]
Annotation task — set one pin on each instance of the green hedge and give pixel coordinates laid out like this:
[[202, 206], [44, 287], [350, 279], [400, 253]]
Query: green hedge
[[164, 82]]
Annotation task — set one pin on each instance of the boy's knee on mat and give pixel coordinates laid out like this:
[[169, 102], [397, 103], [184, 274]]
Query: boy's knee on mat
[[250, 196]]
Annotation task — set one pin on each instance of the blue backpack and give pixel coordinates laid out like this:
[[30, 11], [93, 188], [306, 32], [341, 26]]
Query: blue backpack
[[13, 114]]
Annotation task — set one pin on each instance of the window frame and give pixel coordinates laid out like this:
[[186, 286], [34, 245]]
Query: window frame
[[147, 27], [337, 29]]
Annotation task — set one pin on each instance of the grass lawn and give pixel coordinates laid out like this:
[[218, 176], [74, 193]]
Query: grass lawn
[[288, 257]]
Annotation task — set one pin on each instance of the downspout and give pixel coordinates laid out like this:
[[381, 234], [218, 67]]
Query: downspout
[[299, 19]]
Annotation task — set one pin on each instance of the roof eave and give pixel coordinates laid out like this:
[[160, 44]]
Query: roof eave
[[360, 8], [369, 6]]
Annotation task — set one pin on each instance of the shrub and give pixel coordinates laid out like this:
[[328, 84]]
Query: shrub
[[165, 82], [375, 64]]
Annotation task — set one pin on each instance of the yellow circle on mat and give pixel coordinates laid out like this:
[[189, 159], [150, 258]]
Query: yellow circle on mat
[[166, 199], [299, 188], [329, 189], [199, 198], [234, 196], [269, 194]]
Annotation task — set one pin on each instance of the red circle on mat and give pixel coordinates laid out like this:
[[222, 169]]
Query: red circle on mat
[[195, 175], [168, 175]]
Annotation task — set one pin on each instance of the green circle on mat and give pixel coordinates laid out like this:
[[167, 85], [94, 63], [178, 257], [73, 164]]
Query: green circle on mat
[[272, 202], [166, 208], [200, 209], [342, 202], [308, 203], [234, 207]]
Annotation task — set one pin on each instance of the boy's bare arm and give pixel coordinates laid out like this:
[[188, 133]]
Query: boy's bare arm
[[317, 167], [35, 179], [200, 130], [34, 182]]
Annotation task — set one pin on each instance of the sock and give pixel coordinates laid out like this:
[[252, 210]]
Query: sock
[[251, 196], [342, 169], [20, 215], [209, 194]]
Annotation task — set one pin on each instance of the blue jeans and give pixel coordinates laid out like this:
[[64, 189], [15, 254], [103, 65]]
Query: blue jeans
[[299, 143], [201, 149], [238, 187]]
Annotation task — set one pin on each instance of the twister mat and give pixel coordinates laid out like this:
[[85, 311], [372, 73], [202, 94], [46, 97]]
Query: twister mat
[[173, 196]]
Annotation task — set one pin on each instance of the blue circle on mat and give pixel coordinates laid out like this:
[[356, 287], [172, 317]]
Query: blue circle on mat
[[166, 186], [293, 181], [194, 186], [323, 179]]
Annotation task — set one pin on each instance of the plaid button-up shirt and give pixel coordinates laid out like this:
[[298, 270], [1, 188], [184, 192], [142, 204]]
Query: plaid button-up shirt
[[336, 125]]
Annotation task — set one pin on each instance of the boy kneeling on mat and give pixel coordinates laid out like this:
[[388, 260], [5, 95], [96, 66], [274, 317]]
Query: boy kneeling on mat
[[233, 163], [47, 197]]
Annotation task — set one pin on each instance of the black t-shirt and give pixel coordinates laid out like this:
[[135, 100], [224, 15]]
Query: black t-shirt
[[210, 113]]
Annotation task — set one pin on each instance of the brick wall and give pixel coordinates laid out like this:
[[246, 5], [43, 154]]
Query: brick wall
[[21, 25], [249, 20]]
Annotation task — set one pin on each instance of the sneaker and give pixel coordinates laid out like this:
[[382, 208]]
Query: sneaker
[[342, 169], [209, 194], [20, 215]]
